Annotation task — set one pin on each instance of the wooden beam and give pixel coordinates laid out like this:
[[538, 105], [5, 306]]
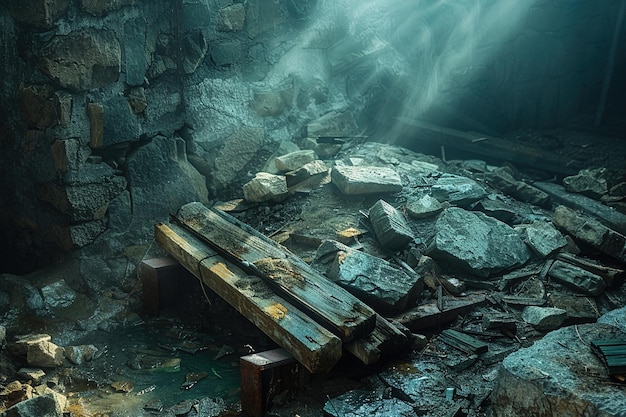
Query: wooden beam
[[385, 340], [429, 315], [490, 146], [605, 214], [289, 276], [463, 342], [311, 344]]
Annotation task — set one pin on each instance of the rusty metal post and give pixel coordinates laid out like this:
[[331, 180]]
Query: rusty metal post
[[266, 375]]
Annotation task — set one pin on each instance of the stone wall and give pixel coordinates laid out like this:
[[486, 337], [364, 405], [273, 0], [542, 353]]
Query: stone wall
[[115, 113]]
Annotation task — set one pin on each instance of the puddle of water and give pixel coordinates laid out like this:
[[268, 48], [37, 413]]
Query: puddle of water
[[150, 360]]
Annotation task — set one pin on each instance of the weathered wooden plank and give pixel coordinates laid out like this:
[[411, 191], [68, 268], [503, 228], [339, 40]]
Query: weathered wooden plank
[[385, 340], [293, 279], [463, 342], [605, 214], [613, 277], [613, 354], [311, 344], [428, 315], [493, 147]]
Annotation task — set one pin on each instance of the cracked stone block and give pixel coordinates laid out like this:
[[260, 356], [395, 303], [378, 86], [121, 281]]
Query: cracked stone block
[[544, 319], [82, 60], [374, 280], [457, 190], [543, 238], [476, 243], [294, 160], [390, 226], [425, 206], [265, 187]]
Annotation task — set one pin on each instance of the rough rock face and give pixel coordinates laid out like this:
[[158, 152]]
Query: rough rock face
[[477, 243], [237, 151], [87, 197], [163, 161], [83, 60], [558, 375], [370, 278], [39, 13], [39, 106], [45, 354], [100, 7]]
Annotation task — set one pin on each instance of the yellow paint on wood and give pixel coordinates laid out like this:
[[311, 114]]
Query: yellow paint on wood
[[277, 311]]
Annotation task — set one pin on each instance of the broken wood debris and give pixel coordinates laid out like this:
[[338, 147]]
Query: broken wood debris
[[463, 342], [577, 278], [613, 354], [491, 321], [591, 231], [608, 216], [387, 339], [613, 277], [428, 315], [492, 147]]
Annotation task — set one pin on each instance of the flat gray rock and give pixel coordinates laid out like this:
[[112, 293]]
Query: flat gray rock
[[365, 179], [476, 243], [544, 319], [423, 207], [457, 190], [543, 238], [367, 403], [377, 282]]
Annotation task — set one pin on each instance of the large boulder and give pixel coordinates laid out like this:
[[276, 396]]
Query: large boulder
[[476, 243], [82, 60], [162, 161], [559, 375]]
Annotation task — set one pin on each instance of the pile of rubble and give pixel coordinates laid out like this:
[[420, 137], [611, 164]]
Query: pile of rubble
[[496, 259]]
